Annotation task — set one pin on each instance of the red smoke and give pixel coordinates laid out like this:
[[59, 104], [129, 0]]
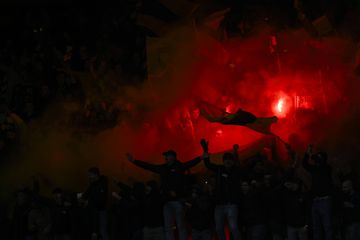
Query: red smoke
[[308, 83]]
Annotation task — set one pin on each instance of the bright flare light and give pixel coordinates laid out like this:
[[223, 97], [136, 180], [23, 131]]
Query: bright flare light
[[280, 105]]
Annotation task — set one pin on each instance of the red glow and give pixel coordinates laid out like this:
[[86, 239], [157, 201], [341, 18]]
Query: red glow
[[282, 106], [228, 108], [219, 133]]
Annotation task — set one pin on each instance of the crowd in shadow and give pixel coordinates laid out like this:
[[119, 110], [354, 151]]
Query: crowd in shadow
[[240, 198]]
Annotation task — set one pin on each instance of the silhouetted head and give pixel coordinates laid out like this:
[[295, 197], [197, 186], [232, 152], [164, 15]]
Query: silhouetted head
[[293, 184], [93, 174], [22, 198], [170, 156], [320, 158], [57, 195]]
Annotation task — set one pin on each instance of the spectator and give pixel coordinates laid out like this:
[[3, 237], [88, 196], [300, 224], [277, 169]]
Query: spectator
[[39, 219], [4, 222], [120, 213], [174, 184], [153, 212], [96, 196], [61, 215], [200, 214], [20, 215], [322, 190], [273, 204], [253, 213], [226, 193], [295, 207], [350, 211], [136, 218]]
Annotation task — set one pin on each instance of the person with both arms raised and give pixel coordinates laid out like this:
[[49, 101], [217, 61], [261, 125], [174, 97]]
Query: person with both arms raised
[[174, 182], [226, 192]]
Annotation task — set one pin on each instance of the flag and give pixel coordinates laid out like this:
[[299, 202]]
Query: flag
[[241, 118], [271, 147], [262, 124]]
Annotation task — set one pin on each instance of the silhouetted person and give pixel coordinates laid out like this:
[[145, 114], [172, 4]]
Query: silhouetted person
[[252, 211], [39, 219], [295, 207], [136, 217], [96, 195], [200, 214], [322, 190], [20, 215], [153, 212], [271, 192], [62, 216], [226, 193], [174, 183], [350, 211], [120, 214], [4, 222], [135, 201]]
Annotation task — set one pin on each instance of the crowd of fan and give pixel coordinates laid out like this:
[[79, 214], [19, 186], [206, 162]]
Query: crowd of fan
[[241, 199]]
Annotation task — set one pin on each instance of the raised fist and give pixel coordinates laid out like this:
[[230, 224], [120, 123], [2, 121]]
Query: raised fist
[[204, 145]]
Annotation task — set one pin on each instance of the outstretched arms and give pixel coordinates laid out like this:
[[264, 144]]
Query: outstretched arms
[[197, 160], [147, 166], [192, 163]]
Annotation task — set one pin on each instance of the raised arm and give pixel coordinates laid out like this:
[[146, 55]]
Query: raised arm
[[147, 166], [211, 166], [192, 163]]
